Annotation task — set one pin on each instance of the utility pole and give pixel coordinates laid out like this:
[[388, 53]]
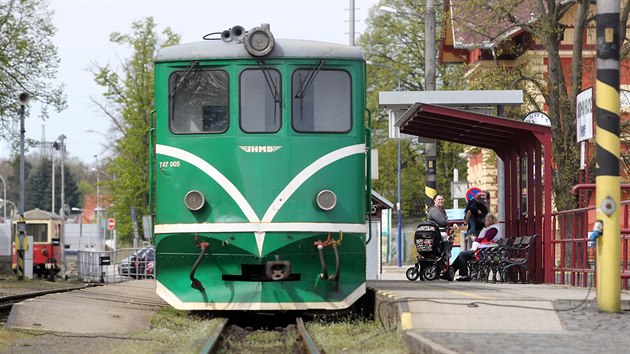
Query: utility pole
[[351, 23], [607, 181], [20, 241], [430, 149]]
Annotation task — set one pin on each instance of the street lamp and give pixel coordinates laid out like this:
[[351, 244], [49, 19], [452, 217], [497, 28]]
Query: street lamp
[[23, 99], [15, 208], [88, 130]]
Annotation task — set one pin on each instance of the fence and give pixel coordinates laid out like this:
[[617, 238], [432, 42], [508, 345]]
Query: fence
[[573, 262], [115, 266]]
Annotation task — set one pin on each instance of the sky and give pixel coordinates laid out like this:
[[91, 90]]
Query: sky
[[82, 38]]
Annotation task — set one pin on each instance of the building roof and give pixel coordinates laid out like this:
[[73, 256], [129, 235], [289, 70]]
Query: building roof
[[481, 28]]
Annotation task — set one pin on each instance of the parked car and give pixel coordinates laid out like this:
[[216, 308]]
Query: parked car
[[136, 266]]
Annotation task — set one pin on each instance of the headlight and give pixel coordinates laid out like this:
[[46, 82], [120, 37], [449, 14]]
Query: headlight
[[326, 199], [259, 41], [194, 200]]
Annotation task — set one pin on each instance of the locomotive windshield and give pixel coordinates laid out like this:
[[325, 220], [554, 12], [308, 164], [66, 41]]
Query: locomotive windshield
[[321, 102], [260, 101], [199, 101]]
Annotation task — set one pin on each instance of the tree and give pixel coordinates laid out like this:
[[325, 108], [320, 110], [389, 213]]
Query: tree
[[129, 102], [546, 24], [394, 44], [28, 60], [39, 186]]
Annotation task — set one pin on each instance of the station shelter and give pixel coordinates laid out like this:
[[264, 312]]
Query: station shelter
[[524, 148], [379, 226]]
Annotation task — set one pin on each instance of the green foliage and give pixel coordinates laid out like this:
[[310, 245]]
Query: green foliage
[[38, 187], [28, 60], [129, 96], [38, 182], [559, 85], [13, 179], [395, 47]]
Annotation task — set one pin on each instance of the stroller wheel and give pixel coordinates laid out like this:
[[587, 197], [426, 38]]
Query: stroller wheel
[[430, 273], [412, 273], [450, 273]]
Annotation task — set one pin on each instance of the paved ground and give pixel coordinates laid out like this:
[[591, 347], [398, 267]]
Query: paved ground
[[454, 317], [437, 316], [116, 308]]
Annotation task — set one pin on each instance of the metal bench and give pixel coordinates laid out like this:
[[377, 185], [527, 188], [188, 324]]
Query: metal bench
[[514, 259], [486, 262]]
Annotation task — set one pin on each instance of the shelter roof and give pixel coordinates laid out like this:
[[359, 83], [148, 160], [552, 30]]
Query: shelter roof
[[466, 127], [381, 201]]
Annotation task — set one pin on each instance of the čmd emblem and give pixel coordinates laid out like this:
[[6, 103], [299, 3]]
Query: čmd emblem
[[260, 148]]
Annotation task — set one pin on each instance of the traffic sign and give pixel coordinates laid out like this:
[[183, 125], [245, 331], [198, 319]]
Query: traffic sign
[[472, 192], [111, 224]]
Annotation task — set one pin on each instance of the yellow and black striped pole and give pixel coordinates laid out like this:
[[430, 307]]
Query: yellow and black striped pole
[[607, 182], [20, 241], [20, 264], [430, 187]]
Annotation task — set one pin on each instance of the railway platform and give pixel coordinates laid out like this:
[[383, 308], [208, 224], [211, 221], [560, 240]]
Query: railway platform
[[436, 316], [115, 308], [469, 317]]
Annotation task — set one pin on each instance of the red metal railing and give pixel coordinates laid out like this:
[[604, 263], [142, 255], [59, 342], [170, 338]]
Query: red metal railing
[[573, 263]]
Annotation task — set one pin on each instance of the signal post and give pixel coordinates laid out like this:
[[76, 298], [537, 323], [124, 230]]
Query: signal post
[[21, 244]]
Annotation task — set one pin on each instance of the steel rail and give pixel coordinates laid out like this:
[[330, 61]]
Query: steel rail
[[6, 302], [213, 340], [309, 343]]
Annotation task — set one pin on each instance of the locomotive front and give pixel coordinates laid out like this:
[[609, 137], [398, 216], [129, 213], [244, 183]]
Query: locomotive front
[[259, 173]]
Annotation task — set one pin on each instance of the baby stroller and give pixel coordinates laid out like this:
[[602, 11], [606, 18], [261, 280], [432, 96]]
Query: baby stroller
[[434, 253]]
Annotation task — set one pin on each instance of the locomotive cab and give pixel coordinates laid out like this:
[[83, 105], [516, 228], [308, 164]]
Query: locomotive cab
[[259, 173]]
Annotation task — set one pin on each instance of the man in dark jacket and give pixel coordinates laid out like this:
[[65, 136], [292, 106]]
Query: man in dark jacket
[[476, 211]]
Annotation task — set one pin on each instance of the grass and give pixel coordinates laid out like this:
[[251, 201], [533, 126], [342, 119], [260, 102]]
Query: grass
[[366, 337], [175, 331], [172, 331], [8, 337]]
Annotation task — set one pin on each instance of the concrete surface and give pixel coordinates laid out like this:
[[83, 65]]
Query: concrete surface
[[469, 317], [116, 308]]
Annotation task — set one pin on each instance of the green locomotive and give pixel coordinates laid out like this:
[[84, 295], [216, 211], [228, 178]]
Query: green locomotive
[[259, 173]]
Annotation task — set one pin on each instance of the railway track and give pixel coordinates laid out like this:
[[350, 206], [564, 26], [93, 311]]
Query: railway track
[[225, 337], [6, 302]]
